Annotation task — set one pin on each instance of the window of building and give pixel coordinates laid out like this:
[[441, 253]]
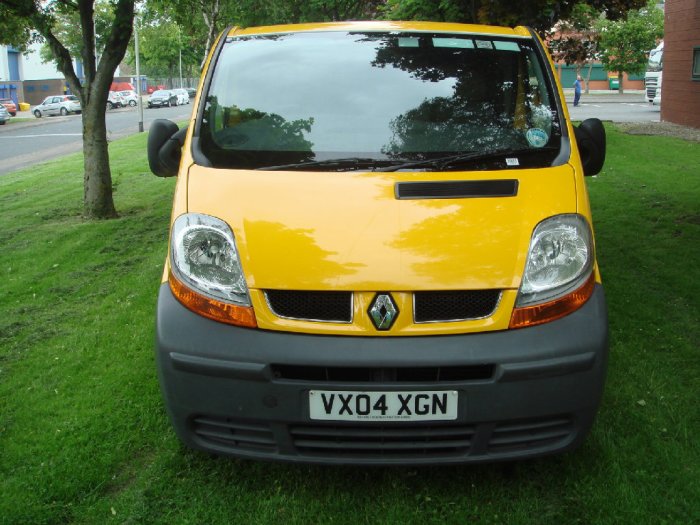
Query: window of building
[[696, 63]]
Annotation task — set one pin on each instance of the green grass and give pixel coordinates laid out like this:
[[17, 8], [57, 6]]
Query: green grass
[[15, 120], [84, 437]]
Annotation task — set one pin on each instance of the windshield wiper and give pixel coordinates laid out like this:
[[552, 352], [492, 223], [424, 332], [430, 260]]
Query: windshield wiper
[[442, 162], [348, 163]]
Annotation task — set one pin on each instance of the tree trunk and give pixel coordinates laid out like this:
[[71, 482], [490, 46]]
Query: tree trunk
[[588, 77], [620, 89], [97, 197]]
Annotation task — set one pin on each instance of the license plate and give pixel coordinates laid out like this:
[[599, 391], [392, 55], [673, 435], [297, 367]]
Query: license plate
[[345, 405]]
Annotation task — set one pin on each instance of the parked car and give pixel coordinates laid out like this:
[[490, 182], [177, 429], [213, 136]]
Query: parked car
[[396, 267], [115, 100], [130, 97], [182, 96], [58, 105], [4, 115], [9, 105], [191, 92], [162, 97]]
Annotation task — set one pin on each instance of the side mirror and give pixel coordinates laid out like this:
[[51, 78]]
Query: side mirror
[[590, 137], [165, 141]]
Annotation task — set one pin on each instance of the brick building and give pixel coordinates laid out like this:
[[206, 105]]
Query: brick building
[[680, 93]]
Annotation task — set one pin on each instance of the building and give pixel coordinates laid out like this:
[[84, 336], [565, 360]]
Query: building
[[25, 78], [680, 92]]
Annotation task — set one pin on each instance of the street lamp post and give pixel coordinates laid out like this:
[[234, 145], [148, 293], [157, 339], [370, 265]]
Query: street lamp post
[[179, 45], [139, 102]]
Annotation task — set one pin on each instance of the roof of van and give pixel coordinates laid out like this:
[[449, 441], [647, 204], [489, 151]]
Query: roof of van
[[376, 25]]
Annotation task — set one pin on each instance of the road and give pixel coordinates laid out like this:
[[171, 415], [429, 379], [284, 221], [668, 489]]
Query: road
[[630, 111], [26, 143], [23, 144]]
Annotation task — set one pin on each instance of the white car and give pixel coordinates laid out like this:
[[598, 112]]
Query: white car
[[130, 97], [182, 96], [58, 105], [115, 100]]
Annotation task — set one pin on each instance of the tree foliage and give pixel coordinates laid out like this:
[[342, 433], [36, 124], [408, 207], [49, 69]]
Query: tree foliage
[[16, 31], [50, 20], [539, 14], [624, 44]]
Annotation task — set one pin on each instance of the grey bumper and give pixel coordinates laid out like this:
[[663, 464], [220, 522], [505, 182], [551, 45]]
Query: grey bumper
[[522, 393]]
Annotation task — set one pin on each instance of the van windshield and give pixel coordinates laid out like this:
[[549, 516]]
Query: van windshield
[[381, 98]]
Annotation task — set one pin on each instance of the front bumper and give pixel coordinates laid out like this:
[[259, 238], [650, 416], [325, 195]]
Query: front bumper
[[244, 392]]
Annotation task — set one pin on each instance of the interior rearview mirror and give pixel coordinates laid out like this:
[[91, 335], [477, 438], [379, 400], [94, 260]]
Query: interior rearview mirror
[[590, 137], [165, 141]]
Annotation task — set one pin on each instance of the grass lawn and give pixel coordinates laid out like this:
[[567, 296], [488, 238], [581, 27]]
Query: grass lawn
[[84, 437], [16, 120]]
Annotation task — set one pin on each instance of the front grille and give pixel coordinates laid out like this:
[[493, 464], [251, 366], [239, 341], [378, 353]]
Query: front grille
[[425, 374], [312, 306], [529, 434], [234, 435], [382, 441], [430, 307]]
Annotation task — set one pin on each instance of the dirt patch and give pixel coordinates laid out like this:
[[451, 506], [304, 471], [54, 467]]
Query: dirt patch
[[665, 129]]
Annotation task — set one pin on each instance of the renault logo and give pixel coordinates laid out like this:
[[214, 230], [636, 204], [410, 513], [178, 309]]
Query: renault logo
[[383, 311]]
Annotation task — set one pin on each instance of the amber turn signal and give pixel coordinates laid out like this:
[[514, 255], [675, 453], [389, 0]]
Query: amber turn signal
[[211, 308], [546, 312]]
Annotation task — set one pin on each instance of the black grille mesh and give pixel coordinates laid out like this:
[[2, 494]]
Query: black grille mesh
[[428, 306], [454, 305], [317, 306]]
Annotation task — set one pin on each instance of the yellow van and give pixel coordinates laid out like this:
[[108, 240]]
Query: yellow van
[[381, 249]]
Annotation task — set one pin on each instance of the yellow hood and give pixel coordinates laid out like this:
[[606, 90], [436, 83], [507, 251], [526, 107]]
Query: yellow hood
[[348, 231]]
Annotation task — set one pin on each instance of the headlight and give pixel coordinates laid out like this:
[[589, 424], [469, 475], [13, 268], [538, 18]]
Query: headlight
[[559, 260], [558, 276], [206, 274]]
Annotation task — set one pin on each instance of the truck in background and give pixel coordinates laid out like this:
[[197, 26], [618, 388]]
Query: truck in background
[[652, 77]]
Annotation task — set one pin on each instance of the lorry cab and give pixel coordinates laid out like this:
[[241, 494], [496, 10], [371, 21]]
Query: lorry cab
[[381, 249]]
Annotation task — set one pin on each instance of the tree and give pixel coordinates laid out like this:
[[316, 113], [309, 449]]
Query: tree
[[202, 20], [575, 40], [539, 14], [93, 89], [624, 43]]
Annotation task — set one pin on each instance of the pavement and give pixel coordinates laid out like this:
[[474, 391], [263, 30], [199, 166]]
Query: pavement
[[607, 96]]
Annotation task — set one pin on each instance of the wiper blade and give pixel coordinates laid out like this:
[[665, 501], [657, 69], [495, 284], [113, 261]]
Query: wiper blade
[[442, 162], [342, 163]]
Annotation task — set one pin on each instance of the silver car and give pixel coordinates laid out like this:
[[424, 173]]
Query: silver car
[[58, 105], [4, 115]]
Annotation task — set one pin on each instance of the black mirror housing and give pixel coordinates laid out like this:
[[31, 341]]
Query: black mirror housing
[[590, 137], [165, 141]]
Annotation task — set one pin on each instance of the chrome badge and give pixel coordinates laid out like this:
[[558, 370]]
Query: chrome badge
[[383, 311]]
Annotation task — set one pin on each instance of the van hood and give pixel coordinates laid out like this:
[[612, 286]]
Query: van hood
[[349, 231]]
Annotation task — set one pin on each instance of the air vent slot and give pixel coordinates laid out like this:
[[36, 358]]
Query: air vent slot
[[380, 441], [425, 374], [234, 435], [460, 189], [525, 435]]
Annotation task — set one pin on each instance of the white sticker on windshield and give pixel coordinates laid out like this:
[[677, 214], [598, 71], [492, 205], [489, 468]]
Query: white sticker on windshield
[[510, 161], [484, 44], [536, 137]]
